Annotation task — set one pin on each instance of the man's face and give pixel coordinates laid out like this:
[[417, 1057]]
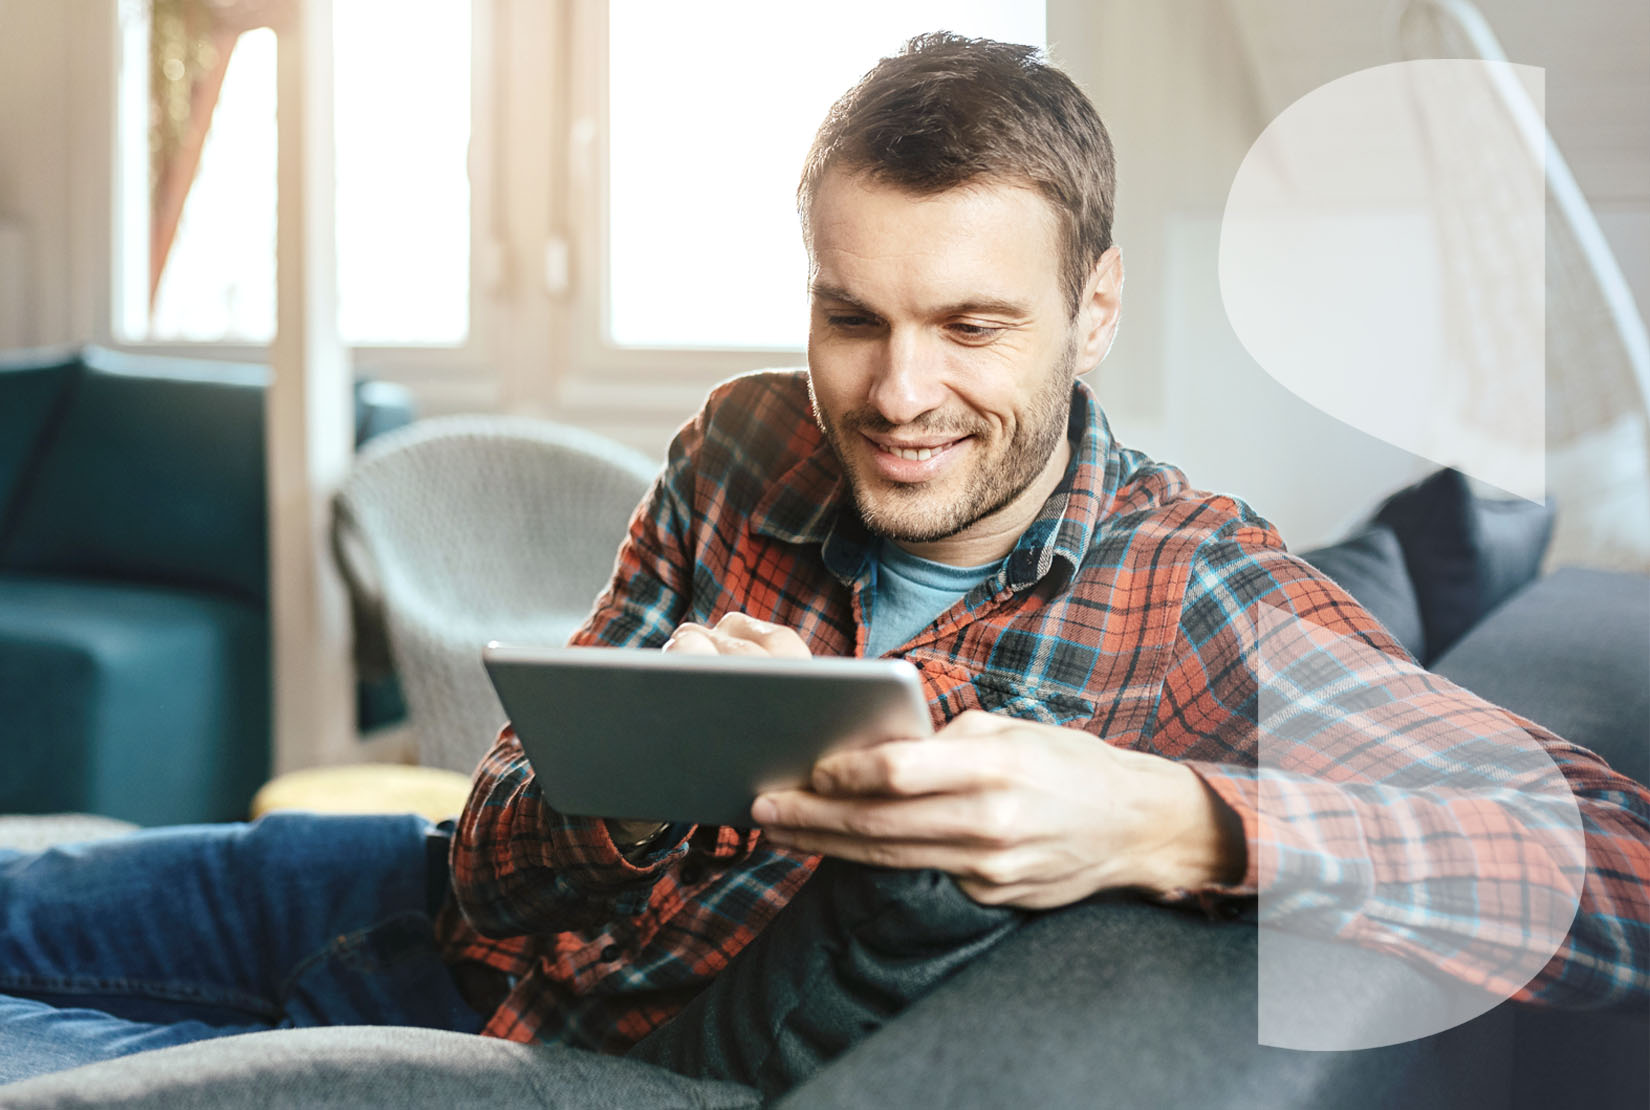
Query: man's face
[[941, 355]]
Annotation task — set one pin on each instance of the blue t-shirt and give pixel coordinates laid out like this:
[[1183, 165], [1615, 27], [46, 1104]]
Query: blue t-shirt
[[910, 592]]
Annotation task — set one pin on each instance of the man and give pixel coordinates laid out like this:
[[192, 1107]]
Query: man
[[941, 487], [938, 486]]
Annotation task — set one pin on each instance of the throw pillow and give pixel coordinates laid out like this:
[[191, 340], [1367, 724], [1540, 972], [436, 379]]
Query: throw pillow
[[1466, 554], [1369, 565]]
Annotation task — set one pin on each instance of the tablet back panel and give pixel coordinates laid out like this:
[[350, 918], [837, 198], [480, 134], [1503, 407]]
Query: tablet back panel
[[649, 735]]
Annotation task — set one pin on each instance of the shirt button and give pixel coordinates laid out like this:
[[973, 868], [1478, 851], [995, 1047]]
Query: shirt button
[[611, 953]]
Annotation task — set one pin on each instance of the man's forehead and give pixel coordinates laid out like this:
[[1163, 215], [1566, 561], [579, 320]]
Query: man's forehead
[[987, 241]]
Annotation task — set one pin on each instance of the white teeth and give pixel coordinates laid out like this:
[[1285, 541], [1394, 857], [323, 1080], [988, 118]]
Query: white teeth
[[916, 454]]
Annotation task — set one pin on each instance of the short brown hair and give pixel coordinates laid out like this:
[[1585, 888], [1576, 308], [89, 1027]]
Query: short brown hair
[[948, 111]]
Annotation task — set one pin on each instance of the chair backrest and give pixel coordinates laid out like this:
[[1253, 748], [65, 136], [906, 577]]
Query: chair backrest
[[151, 470], [472, 529]]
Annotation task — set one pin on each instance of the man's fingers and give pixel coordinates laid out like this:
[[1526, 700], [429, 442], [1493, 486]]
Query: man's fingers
[[977, 722], [696, 639], [878, 853], [775, 639], [988, 875], [988, 819], [692, 639], [737, 634], [911, 767]]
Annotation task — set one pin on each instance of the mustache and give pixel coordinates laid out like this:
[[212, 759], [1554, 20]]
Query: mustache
[[936, 424]]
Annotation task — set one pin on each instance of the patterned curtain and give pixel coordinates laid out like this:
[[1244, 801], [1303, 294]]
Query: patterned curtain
[[190, 43]]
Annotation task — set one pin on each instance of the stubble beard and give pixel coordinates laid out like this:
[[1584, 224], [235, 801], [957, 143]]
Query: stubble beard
[[896, 511]]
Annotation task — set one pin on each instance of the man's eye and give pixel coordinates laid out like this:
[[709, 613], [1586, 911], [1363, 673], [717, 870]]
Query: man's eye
[[848, 320], [974, 332]]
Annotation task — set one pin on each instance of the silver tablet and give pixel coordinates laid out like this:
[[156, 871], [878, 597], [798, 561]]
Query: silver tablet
[[626, 733]]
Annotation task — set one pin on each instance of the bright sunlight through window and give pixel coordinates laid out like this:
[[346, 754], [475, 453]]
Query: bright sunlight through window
[[710, 119], [402, 120]]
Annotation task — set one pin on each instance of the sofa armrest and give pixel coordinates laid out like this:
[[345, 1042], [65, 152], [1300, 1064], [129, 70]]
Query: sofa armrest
[[1570, 652], [1127, 1004]]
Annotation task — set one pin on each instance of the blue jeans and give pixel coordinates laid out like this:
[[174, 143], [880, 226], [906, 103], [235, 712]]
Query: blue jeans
[[176, 935]]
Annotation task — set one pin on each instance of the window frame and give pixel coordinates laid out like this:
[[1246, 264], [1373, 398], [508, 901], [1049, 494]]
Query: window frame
[[410, 364], [601, 373]]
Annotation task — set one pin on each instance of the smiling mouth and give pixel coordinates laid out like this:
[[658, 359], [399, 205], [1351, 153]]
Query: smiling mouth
[[917, 454]]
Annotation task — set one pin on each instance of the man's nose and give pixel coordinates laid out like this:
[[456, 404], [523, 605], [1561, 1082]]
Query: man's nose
[[908, 382]]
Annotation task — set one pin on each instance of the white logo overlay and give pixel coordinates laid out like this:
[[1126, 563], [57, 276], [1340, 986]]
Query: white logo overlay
[[1382, 256]]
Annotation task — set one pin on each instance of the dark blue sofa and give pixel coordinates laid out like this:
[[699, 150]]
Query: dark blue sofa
[[134, 657]]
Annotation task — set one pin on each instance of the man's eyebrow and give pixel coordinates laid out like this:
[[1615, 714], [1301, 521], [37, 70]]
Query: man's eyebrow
[[827, 292], [985, 306], [990, 306]]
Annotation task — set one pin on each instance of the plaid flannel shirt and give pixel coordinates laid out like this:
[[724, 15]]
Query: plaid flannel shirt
[[1122, 611]]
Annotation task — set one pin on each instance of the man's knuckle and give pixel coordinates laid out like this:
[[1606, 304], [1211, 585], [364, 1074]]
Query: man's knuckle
[[869, 823], [896, 775], [880, 854], [991, 870], [998, 819], [1013, 762]]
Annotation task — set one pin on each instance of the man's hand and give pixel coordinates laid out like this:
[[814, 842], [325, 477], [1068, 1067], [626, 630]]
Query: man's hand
[[734, 634], [738, 634], [1021, 813]]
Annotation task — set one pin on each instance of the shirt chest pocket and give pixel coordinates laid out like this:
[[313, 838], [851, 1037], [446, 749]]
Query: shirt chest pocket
[[1031, 703]]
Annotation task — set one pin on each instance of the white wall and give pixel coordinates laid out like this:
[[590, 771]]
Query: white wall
[[36, 78]]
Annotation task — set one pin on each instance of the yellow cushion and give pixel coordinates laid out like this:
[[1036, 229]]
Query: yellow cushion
[[366, 788]]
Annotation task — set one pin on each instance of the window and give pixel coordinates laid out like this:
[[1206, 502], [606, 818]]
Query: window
[[196, 205], [708, 122]]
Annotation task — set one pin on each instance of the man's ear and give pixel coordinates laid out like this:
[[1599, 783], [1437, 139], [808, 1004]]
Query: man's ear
[[1098, 310]]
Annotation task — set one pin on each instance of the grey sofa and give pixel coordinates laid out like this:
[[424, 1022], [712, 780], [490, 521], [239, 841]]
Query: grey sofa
[[1111, 1002]]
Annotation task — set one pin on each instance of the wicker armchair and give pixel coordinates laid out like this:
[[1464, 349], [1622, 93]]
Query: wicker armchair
[[468, 529]]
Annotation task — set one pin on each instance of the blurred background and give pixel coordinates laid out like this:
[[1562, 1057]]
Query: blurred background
[[581, 210]]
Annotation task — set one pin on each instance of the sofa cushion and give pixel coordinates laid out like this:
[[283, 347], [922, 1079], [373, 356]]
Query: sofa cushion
[[145, 704], [1466, 554], [1571, 652], [154, 474], [32, 384], [1369, 565]]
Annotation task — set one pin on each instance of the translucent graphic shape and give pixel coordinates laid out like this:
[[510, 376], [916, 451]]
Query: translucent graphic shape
[[1414, 873], [1382, 256]]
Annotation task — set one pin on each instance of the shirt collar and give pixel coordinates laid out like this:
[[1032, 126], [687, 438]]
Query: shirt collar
[[809, 504]]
